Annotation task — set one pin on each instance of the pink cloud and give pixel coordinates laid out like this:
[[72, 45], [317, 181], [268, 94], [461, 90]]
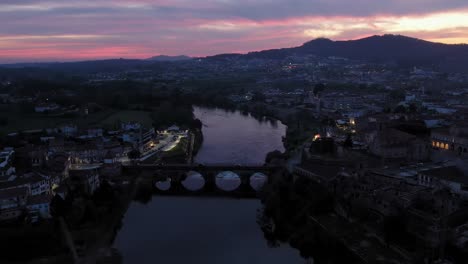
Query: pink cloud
[[139, 29]]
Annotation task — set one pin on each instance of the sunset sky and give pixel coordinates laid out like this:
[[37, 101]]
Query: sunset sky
[[66, 30]]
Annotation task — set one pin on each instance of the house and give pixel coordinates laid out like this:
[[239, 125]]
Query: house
[[130, 126], [36, 183], [452, 140], [326, 171], [39, 206], [12, 202], [436, 217], [42, 108], [451, 177], [56, 145], [39, 184], [29, 157], [87, 152], [95, 132], [68, 130], [7, 170], [58, 165], [173, 129], [85, 177], [391, 143], [143, 139]]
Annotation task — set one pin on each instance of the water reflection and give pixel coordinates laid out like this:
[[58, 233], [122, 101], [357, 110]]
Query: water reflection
[[258, 180], [164, 185], [197, 230], [194, 181], [209, 230], [228, 181], [235, 138]]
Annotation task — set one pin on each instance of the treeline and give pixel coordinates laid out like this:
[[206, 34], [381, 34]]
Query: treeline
[[285, 218]]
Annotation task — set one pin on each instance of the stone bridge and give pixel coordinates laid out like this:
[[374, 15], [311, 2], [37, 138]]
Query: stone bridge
[[215, 180]]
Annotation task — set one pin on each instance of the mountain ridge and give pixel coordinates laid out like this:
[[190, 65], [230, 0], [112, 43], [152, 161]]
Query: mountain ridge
[[169, 58], [399, 49], [396, 49]]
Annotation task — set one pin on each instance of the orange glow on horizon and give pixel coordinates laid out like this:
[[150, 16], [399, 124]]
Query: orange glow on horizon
[[136, 33]]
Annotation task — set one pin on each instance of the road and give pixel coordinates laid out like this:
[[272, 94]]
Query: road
[[165, 144]]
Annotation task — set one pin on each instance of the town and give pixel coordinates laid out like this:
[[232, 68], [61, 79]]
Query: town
[[389, 144]]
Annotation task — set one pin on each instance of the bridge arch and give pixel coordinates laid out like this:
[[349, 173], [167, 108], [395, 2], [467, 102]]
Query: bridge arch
[[194, 181], [164, 185], [258, 180], [228, 181]]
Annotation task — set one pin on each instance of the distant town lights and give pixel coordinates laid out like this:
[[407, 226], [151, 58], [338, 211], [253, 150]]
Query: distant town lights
[[316, 137]]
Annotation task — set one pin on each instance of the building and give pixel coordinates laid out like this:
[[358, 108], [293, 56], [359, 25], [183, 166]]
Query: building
[[450, 177], [43, 108], [12, 202], [69, 130], [7, 170], [129, 126], [452, 140], [29, 157], [436, 217], [431, 212], [58, 165], [39, 206], [39, 184], [85, 177], [95, 132], [391, 143], [36, 183]]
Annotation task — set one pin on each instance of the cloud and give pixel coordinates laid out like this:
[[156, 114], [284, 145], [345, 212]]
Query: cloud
[[67, 30]]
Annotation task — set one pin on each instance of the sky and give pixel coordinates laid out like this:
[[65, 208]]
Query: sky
[[69, 30]]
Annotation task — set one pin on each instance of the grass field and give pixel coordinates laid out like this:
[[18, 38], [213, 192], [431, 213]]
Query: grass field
[[113, 121], [108, 118]]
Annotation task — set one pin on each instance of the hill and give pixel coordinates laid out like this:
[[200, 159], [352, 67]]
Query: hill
[[169, 58], [402, 50]]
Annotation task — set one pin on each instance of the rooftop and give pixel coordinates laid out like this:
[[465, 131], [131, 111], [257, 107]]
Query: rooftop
[[14, 192], [39, 199], [78, 167], [450, 173]]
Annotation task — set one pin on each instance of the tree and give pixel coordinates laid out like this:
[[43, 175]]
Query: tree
[[3, 121], [400, 109], [258, 96], [397, 94], [348, 143], [318, 89], [274, 156], [394, 227], [197, 124], [413, 108], [134, 154]]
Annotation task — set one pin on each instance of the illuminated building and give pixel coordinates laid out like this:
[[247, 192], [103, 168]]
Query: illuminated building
[[454, 139]]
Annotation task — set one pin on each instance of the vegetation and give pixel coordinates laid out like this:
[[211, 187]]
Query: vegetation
[[114, 120], [284, 218], [179, 149]]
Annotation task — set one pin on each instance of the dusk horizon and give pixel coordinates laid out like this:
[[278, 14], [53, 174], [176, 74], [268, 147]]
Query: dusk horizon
[[45, 31], [234, 131], [150, 56]]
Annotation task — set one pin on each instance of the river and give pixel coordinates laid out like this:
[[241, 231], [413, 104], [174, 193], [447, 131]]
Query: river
[[184, 230]]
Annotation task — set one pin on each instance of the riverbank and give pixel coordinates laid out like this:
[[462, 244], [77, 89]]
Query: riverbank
[[184, 152], [86, 228], [302, 212]]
